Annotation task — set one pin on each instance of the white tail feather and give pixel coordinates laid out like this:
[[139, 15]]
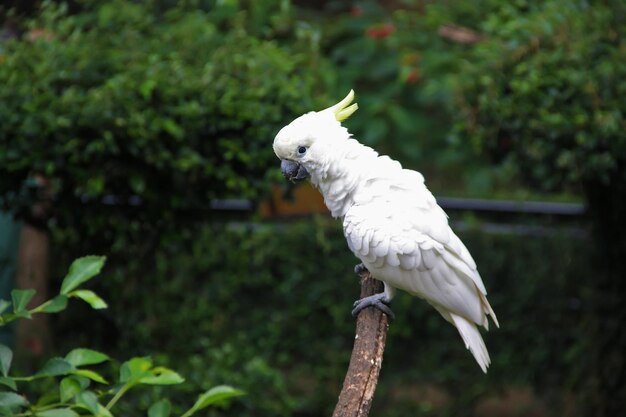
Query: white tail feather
[[473, 340], [488, 310]]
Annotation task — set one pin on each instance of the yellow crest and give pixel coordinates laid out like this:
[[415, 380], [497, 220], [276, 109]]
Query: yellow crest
[[343, 109]]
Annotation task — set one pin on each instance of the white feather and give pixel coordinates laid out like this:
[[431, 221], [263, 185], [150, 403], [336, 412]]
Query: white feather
[[473, 340]]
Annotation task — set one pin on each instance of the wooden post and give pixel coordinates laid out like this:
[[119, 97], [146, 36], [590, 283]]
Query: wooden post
[[33, 336], [355, 399]]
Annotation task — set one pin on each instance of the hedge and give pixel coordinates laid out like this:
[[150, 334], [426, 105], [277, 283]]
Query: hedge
[[167, 110]]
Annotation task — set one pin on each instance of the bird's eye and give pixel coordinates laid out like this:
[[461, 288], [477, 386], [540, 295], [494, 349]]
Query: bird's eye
[[301, 150]]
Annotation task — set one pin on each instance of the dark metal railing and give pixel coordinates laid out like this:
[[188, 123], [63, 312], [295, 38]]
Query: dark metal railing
[[512, 206]]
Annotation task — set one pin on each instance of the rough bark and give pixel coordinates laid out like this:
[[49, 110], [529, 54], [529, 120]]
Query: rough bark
[[359, 385]]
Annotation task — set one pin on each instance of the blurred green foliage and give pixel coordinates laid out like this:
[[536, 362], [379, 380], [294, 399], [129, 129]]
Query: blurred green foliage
[[401, 69], [544, 92], [544, 96], [405, 74], [268, 310], [170, 108]]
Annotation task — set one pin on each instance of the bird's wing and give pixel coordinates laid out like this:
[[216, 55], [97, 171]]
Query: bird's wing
[[411, 246]]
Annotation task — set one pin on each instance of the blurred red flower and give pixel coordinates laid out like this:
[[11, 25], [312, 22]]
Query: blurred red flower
[[380, 31], [356, 11], [413, 77]]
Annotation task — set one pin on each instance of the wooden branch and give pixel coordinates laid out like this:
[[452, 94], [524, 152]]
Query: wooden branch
[[460, 34], [355, 399]]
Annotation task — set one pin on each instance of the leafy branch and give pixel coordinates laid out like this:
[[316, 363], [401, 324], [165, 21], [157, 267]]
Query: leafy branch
[[81, 390]]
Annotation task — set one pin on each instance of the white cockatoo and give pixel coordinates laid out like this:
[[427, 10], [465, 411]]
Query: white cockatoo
[[390, 219]]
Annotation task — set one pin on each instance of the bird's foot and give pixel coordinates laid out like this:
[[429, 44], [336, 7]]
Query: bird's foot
[[379, 301], [360, 269]]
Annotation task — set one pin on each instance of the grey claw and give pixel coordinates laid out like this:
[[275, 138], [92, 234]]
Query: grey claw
[[359, 269], [378, 301]]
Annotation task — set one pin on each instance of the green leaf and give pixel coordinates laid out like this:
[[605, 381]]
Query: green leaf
[[94, 376], [146, 88], [171, 127], [135, 369], [23, 314], [80, 357], [89, 401], [57, 412], [82, 270], [12, 400], [55, 367], [6, 356], [162, 376], [161, 408], [8, 382], [4, 304], [69, 387], [216, 395], [90, 297], [47, 398], [21, 298], [58, 303]]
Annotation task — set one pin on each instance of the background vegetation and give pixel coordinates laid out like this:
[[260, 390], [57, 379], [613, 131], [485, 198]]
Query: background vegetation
[[142, 114]]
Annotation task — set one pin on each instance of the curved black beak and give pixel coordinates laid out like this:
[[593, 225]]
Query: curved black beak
[[293, 171]]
